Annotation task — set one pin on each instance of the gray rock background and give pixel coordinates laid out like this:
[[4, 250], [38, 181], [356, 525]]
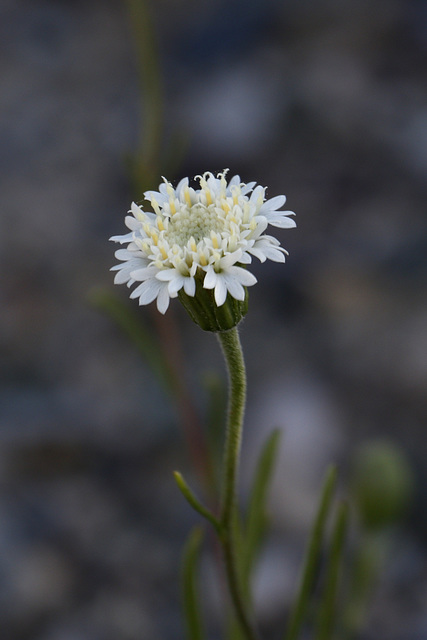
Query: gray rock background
[[322, 100]]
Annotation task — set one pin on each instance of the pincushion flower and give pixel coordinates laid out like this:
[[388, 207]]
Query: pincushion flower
[[197, 239]]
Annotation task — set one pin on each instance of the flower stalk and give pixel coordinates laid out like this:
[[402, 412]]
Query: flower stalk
[[233, 355]]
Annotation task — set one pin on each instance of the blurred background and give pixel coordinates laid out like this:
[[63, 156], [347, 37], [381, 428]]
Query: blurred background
[[323, 100]]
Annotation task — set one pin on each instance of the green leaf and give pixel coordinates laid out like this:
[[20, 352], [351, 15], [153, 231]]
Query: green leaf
[[326, 619], [194, 502], [312, 557], [248, 534], [369, 557], [256, 519], [190, 589]]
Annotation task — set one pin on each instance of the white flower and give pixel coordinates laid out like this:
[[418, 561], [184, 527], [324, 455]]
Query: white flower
[[206, 233]]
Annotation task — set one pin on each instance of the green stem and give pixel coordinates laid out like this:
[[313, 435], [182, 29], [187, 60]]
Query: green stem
[[233, 355], [148, 64]]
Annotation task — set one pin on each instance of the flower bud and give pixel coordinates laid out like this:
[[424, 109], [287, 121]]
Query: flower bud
[[203, 310], [382, 484]]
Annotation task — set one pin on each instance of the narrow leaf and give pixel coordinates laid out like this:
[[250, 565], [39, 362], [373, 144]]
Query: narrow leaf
[[256, 519], [194, 502], [312, 557], [372, 551], [328, 603], [191, 604], [248, 535]]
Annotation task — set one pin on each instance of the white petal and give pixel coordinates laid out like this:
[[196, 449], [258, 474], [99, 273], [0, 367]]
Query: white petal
[[258, 191], [122, 239], [190, 286], [234, 180], [166, 274], [132, 224], [220, 290], [134, 250], [160, 196], [123, 254], [227, 261], [176, 284], [273, 203], [243, 276], [163, 299], [214, 184], [181, 185], [144, 274], [262, 224], [122, 276], [281, 221], [210, 279], [135, 293], [136, 211], [247, 188], [234, 287], [274, 253], [245, 258], [147, 291], [258, 254]]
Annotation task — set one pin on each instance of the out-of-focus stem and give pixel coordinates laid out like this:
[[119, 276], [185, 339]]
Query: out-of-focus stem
[[151, 115]]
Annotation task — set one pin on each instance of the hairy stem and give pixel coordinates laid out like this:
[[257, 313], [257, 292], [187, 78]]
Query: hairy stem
[[233, 355]]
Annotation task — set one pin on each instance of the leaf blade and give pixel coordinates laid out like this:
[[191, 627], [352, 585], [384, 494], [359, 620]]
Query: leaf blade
[[256, 518], [191, 605], [312, 556]]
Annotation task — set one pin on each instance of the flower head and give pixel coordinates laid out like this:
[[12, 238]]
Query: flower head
[[197, 239]]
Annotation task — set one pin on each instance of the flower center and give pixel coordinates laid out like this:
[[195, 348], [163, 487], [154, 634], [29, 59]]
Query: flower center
[[196, 222]]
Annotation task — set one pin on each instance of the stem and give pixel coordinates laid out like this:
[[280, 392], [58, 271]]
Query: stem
[[233, 355], [151, 115]]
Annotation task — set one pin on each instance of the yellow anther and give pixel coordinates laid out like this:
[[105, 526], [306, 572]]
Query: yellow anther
[[208, 197], [154, 236], [193, 245], [169, 188], [221, 176], [246, 211], [226, 207], [163, 252], [202, 260], [155, 206], [214, 239], [187, 197], [160, 225], [172, 206]]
